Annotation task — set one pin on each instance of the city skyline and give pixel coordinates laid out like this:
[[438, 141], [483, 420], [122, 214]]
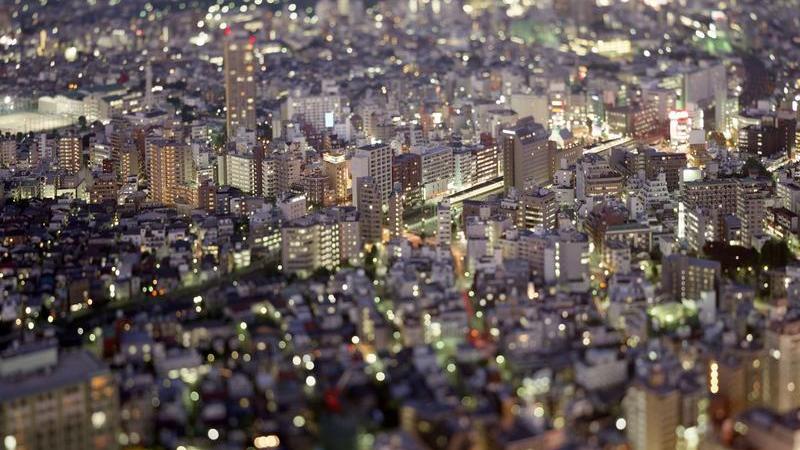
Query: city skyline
[[399, 224]]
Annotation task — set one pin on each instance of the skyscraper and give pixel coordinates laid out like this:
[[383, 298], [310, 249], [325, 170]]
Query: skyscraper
[[240, 85], [526, 155]]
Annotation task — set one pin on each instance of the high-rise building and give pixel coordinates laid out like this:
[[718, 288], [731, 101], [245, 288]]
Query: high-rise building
[[70, 154], [104, 188], [717, 198], [487, 162], [664, 407], [738, 378], [373, 161], [652, 414], [637, 121], [60, 401], [763, 140], [594, 177], [163, 170], [782, 389], [786, 123], [320, 240], [239, 172], [338, 175], [369, 209], [444, 223], [436, 164], [753, 197], [526, 155], [318, 111], [394, 215], [309, 243], [240, 85], [314, 185], [8, 152], [654, 162], [407, 170], [686, 278]]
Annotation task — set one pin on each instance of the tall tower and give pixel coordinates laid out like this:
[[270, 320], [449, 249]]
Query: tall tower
[[163, 170], [240, 84]]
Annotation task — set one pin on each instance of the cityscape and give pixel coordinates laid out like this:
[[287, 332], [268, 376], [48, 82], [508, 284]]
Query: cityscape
[[400, 224]]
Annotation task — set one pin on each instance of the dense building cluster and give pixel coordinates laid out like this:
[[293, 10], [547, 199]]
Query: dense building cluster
[[399, 224]]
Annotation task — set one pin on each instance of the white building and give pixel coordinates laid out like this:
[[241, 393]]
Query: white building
[[436, 164], [373, 161]]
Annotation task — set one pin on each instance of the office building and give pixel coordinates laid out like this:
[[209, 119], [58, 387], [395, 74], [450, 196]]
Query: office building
[[594, 177], [436, 166], [526, 155], [538, 209]]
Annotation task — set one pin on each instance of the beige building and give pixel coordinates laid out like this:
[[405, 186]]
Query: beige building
[[538, 209], [334, 165], [526, 155], [753, 198], [163, 170], [394, 214], [652, 414], [369, 210], [373, 161], [782, 388], [320, 240], [52, 401]]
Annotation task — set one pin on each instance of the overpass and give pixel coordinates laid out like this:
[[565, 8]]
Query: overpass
[[485, 188]]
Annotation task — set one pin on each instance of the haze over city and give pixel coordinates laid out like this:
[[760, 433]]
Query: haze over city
[[399, 224]]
